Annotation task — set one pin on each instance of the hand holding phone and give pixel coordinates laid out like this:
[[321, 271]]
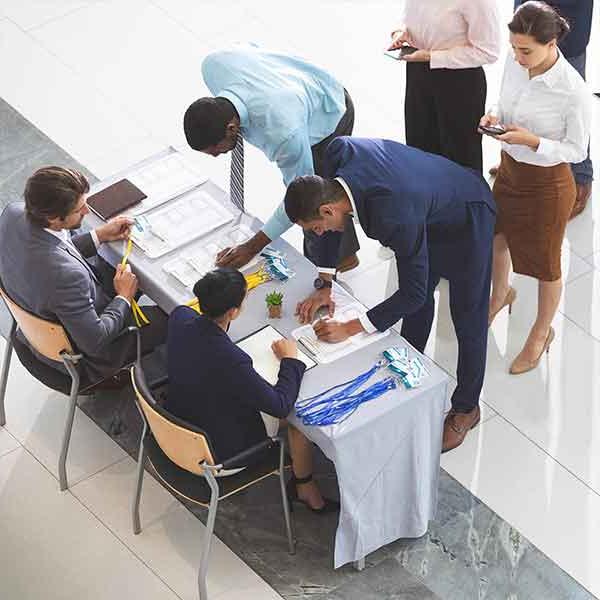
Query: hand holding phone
[[400, 54]]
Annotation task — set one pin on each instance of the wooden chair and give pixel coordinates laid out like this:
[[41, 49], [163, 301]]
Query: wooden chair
[[182, 457], [50, 340]]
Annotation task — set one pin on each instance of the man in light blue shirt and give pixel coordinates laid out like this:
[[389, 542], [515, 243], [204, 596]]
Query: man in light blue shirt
[[288, 108]]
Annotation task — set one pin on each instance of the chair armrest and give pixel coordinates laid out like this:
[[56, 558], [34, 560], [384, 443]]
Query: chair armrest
[[156, 383], [125, 331], [242, 459]]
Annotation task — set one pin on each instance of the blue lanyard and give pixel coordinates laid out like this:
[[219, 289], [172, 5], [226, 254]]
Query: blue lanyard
[[329, 409]]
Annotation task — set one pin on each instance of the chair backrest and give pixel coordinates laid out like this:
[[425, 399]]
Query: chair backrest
[[185, 445], [48, 338]]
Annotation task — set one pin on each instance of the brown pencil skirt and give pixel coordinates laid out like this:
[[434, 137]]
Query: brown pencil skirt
[[534, 205]]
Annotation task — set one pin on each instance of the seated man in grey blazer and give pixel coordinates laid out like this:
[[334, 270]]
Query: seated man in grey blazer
[[55, 274]]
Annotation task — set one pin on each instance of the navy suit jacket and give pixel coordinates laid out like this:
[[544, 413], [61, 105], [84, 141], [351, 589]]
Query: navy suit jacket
[[415, 203], [213, 385]]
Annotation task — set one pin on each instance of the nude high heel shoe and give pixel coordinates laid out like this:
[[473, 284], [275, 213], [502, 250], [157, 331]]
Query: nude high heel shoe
[[511, 296], [523, 366]]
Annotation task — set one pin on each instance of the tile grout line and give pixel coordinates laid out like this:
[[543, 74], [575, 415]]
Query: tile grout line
[[5, 454], [50, 20], [554, 459], [174, 20], [570, 281], [174, 505], [96, 517], [580, 327], [102, 469], [98, 92], [122, 542]]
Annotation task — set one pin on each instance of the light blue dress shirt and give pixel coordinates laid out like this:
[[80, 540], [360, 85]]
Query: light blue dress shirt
[[285, 104]]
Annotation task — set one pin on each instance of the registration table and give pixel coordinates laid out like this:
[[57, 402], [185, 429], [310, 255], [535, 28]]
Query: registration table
[[387, 454]]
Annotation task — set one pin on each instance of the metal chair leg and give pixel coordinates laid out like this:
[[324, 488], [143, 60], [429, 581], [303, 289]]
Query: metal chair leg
[[62, 470], [135, 507], [5, 371], [284, 499], [210, 526]]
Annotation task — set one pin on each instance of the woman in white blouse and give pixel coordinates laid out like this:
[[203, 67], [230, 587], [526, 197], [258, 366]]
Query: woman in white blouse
[[545, 108], [445, 83]]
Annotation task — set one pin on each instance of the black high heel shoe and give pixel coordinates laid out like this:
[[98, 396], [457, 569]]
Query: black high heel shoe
[[292, 494]]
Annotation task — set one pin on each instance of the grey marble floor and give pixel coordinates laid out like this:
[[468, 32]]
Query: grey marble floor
[[469, 553]]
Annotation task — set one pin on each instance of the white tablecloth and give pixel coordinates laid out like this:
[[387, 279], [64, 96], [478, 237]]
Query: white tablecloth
[[386, 456]]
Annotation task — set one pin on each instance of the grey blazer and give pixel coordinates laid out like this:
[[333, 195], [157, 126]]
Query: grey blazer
[[52, 279]]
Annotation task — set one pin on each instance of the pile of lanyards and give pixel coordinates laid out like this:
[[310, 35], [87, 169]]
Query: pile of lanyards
[[274, 267], [336, 404]]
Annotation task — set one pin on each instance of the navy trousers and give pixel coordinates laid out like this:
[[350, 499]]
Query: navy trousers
[[466, 262]]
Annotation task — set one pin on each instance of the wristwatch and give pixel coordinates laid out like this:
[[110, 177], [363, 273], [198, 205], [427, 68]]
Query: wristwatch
[[322, 284]]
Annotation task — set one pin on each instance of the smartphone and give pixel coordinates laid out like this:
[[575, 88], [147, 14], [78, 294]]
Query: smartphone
[[492, 129], [401, 53]]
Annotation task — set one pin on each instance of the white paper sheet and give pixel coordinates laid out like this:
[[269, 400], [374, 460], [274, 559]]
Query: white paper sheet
[[183, 220], [162, 180], [326, 352], [197, 260]]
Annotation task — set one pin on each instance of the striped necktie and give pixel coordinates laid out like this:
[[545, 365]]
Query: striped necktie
[[236, 182]]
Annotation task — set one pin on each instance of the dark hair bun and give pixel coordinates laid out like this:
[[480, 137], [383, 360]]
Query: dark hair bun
[[539, 20], [565, 28]]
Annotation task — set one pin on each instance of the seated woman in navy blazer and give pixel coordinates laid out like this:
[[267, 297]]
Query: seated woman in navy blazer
[[213, 385]]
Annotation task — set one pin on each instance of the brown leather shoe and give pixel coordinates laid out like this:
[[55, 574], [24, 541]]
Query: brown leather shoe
[[584, 191], [456, 427], [348, 263]]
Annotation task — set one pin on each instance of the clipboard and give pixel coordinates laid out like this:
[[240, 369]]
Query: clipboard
[[258, 346]]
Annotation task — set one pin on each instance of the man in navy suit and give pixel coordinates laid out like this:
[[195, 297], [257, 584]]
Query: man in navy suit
[[438, 218]]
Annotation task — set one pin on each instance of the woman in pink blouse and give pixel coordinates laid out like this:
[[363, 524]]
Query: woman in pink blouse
[[445, 83]]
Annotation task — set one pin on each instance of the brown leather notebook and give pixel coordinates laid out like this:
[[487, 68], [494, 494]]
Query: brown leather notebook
[[115, 199]]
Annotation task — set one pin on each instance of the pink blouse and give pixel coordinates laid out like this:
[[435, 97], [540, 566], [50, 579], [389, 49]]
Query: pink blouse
[[458, 33]]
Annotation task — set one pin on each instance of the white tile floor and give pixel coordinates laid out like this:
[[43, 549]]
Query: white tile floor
[[79, 544], [108, 81]]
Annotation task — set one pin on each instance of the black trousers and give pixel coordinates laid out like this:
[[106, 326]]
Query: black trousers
[[442, 110], [124, 350], [467, 265], [320, 249]]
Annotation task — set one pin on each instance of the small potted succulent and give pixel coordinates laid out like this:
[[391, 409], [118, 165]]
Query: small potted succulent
[[274, 301]]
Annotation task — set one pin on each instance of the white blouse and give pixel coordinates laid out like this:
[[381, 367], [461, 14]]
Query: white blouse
[[556, 106], [460, 34]]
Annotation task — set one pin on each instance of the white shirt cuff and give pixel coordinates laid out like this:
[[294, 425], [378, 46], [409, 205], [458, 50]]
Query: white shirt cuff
[[95, 238], [125, 299], [545, 147], [366, 323], [327, 270]]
